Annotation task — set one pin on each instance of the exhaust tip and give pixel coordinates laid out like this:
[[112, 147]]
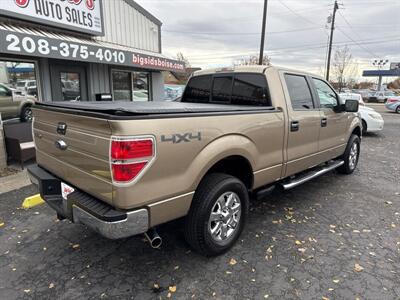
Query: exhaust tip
[[154, 239], [156, 242]]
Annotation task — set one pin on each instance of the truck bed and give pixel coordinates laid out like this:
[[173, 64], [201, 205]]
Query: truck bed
[[132, 110]]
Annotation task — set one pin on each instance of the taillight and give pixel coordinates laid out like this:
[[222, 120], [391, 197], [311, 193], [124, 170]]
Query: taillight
[[130, 157], [392, 100]]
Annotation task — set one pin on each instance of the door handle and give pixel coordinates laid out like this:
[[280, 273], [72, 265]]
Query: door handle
[[324, 122], [294, 126]]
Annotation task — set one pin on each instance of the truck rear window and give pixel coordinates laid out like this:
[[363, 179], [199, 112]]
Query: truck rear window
[[236, 89]]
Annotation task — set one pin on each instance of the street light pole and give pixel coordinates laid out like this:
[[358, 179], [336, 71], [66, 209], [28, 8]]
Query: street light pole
[[264, 23], [328, 66]]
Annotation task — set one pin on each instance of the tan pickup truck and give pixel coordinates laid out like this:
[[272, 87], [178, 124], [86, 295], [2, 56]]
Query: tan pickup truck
[[122, 168]]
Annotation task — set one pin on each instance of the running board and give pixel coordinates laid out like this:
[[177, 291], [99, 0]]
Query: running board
[[312, 174]]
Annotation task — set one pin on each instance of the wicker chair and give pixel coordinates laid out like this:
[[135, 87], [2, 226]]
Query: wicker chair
[[19, 142]]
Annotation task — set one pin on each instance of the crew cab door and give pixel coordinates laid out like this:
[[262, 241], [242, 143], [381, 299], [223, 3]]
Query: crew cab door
[[304, 121], [333, 133], [8, 108]]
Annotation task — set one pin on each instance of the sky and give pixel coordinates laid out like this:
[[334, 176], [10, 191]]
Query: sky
[[218, 33]]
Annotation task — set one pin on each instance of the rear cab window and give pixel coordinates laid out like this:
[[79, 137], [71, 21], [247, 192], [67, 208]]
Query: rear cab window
[[299, 92], [236, 89]]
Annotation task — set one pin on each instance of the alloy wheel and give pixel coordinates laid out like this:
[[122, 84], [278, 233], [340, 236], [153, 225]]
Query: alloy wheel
[[224, 218], [353, 156]]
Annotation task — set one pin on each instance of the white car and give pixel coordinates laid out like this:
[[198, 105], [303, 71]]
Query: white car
[[372, 121], [24, 85], [352, 96]]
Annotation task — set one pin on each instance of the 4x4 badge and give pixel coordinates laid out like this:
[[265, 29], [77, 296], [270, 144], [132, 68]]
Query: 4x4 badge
[[178, 138]]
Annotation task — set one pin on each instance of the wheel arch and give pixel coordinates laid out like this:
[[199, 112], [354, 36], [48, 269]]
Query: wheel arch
[[236, 160]]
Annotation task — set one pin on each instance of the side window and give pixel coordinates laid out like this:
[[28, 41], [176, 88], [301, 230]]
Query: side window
[[250, 89], [327, 96], [198, 90], [3, 92], [299, 91], [222, 89]]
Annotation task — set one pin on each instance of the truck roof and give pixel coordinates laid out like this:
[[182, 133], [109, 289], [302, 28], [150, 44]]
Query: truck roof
[[250, 69]]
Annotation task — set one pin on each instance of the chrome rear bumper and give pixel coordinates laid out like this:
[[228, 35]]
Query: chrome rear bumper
[[81, 208]]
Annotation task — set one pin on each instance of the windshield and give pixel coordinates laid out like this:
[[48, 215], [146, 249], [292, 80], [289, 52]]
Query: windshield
[[21, 84]]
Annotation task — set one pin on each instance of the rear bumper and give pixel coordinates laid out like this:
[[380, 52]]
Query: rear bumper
[[81, 208]]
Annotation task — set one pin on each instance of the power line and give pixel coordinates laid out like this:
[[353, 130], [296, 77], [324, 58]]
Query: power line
[[351, 27], [240, 33], [292, 49]]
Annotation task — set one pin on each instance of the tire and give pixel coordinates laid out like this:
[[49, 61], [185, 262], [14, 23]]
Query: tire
[[351, 155], [398, 109], [26, 114], [364, 127], [214, 191]]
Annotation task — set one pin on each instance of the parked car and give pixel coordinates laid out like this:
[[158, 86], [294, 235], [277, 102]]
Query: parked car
[[381, 96], [372, 121], [352, 96], [15, 105], [122, 168], [393, 104], [24, 85]]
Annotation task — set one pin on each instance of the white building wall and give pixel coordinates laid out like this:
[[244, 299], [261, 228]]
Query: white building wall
[[126, 23]]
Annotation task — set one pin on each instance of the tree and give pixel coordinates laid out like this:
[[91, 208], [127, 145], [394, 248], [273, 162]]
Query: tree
[[182, 58], [252, 60], [394, 84], [343, 66]]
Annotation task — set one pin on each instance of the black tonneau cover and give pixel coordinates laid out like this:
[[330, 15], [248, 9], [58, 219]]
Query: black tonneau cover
[[126, 110]]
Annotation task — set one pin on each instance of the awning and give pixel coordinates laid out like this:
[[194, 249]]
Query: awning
[[22, 40]]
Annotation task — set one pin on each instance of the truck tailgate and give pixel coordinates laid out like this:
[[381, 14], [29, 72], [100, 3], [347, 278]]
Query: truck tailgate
[[84, 161]]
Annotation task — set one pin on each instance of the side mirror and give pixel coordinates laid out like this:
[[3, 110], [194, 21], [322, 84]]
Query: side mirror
[[351, 106]]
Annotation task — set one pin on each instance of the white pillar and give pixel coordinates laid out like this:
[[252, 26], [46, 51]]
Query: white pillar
[[157, 86]]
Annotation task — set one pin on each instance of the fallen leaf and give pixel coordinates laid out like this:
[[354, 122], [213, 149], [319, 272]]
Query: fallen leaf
[[76, 246], [325, 298], [269, 250], [176, 268], [228, 272], [336, 280], [232, 262], [358, 268], [332, 226], [169, 295], [156, 286], [388, 202], [51, 285], [172, 288], [1, 224], [302, 250], [266, 296], [297, 242], [27, 291]]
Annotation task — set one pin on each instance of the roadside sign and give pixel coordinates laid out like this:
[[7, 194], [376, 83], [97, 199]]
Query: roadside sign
[[395, 66]]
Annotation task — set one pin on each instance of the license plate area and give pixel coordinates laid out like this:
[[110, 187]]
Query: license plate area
[[66, 190]]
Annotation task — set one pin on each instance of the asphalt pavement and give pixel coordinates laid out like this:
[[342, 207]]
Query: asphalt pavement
[[336, 237]]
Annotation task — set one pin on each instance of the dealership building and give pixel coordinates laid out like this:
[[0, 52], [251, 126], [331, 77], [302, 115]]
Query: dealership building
[[87, 50]]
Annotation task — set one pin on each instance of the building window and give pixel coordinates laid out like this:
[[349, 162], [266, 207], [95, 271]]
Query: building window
[[131, 86], [121, 83], [20, 76], [70, 86]]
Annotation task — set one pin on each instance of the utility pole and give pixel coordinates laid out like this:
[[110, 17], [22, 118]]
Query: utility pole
[[328, 66], [264, 23]]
